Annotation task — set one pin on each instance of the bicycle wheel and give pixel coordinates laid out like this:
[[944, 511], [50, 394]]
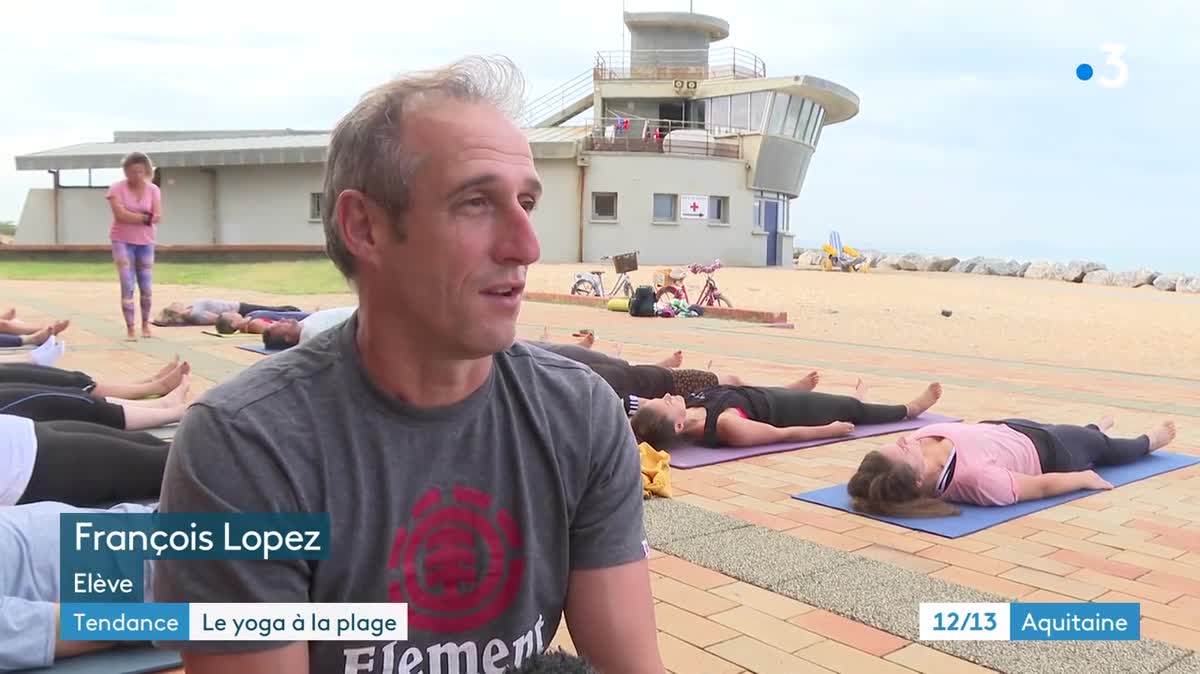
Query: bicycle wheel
[[667, 293], [627, 289], [722, 300], [584, 287]]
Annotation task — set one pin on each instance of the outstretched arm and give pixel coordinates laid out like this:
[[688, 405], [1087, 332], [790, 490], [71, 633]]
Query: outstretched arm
[[1034, 487], [736, 431]]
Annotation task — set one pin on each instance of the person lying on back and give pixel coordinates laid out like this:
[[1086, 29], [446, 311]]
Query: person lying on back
[[992, 463]]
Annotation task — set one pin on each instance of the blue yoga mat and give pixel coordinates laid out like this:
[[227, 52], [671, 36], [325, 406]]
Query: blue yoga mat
[[977, 518], [122, 661], [258, 348]]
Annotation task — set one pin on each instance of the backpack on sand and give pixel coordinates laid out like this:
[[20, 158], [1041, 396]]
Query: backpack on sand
[[642, 302]]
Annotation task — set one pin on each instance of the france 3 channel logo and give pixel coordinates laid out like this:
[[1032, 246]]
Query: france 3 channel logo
[[1116, 71], [1031, 622]]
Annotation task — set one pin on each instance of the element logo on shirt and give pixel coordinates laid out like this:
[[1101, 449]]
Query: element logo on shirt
[[457, 564]]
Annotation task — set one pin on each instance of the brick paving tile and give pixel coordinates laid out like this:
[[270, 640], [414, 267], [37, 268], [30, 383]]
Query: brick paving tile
[[847, 660], [694, 629], [685, 596], [768, 602], [684, 658], [846, 631], [687, 572], [1109, 566], [778, 633], [828, 538], [1048, 581], [763, 658], [1047, 564], [901, 559], [983, 582], [926, 660]]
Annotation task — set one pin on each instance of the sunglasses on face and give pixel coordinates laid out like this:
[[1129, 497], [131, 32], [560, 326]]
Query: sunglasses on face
[[947, 474]]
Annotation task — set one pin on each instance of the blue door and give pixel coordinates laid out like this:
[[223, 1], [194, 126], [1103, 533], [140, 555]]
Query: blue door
[[771, 225]]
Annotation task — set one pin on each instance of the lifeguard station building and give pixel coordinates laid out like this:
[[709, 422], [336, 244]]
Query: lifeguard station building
[[692, 152]]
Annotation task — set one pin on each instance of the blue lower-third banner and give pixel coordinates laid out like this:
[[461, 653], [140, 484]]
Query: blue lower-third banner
[[93, 621], [1018, 621]]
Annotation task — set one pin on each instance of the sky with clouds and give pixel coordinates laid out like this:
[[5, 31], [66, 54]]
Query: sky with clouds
[[975, 136]]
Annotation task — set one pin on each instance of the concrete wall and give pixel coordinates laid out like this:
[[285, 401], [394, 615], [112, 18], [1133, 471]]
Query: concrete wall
[[84, 215], [556, 218], [636, 177], [36, 224], [267, 204], [187, 206]]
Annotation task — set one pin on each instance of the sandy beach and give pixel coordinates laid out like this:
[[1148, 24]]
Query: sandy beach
[[1129, 330]]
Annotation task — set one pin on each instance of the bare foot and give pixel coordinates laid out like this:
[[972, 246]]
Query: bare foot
[[178, 396], [9, 315], [130, 335], [806, 383], [165, 370], [1161, 435], [146, 331], [61, 326], [588, 340], [38, 338], [860, 390], [923, 402], [171, 380], [674, 360], [1105, 423]]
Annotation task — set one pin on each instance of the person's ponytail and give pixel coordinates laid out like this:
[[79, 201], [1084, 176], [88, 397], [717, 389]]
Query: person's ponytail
[[885, 487]]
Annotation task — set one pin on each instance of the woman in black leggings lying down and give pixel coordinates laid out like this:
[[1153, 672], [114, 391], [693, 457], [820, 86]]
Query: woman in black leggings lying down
[[161, 383], [58, 403], [78, 463], [745, 416]]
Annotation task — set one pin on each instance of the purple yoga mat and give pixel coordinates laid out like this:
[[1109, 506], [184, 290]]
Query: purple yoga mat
[[694, 457]]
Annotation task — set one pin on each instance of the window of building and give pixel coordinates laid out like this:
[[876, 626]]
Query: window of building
[[796, 107], [665, 206], [739, 111], [604, 205], [314, 205], [779, 108], [759, 102], [814, 123], [757, 221], [718, 112], [806, 116], [718, 209]]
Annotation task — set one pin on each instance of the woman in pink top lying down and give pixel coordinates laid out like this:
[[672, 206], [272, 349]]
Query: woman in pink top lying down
[[992, 463]]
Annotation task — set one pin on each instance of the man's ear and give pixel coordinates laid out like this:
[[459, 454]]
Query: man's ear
[[359, 219]]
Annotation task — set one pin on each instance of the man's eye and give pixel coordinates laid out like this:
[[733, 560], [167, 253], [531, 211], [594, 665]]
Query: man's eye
[[528, 205], [477, 202]]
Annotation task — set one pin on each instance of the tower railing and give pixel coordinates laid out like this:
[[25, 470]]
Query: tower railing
[[723, 63], [663, 136]]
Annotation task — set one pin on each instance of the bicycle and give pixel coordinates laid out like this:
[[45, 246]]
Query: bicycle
[[592, 282], [710, 294]]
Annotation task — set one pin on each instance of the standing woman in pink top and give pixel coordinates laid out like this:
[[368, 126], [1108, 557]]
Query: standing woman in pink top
[[992, 463], [137, 207]]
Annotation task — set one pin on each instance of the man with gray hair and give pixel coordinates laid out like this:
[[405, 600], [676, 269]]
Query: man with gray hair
[[489, 485]]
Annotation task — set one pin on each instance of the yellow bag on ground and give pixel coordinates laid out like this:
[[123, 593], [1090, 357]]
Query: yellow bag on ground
[[656, 472], [619, 304]]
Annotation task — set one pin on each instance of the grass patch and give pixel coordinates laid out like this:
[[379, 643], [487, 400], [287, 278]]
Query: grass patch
[[299, 277]]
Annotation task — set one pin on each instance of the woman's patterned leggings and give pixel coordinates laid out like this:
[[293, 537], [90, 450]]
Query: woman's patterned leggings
[[135, 263]]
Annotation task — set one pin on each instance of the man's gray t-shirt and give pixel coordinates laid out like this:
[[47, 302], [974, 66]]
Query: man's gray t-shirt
[[473, 514]]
